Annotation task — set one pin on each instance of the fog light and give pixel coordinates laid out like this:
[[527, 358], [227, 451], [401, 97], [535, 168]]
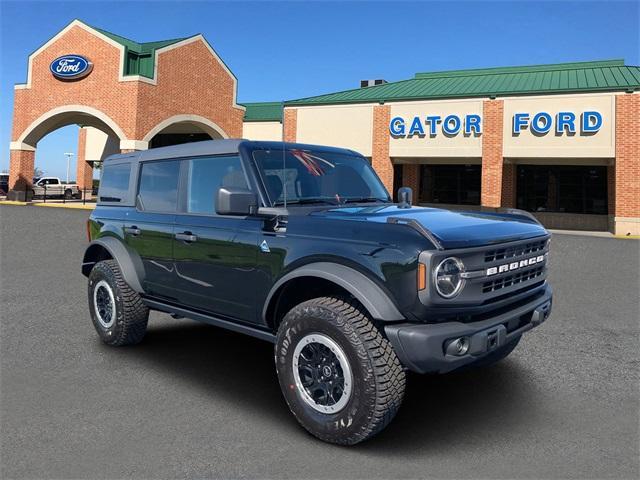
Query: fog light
[[458, 347]]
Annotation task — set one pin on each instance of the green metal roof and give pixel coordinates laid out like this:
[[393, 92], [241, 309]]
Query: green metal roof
[[608, 75], [139, 57], [263, 112]]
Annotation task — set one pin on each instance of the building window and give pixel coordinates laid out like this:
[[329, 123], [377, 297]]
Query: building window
[[397, 181], [450, 184], [562, 188]]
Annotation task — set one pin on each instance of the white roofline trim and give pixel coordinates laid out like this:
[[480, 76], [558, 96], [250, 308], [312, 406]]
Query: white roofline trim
[[184, 118], [21, 146], [70, 109], [133, 145], [120, 47]]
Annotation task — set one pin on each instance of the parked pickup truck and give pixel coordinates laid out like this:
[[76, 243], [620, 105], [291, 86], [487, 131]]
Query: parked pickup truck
[[301, 245], [4, 183], [53, 187]]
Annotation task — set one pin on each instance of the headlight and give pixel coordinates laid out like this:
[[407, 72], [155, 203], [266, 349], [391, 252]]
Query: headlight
[[447, 277]]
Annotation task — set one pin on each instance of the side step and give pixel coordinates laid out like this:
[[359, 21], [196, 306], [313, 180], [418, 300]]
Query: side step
[[210, 319]]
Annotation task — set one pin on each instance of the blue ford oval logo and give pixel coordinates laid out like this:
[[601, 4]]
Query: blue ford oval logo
[[70, 67]]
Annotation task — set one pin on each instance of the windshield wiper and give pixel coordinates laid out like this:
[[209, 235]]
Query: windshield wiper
[[308, 201], [364, 200]]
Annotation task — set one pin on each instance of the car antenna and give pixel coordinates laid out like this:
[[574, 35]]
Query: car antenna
[[284, 174]]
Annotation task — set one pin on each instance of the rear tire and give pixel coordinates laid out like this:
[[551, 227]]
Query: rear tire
[[340, 377], [117, 311], [68, 195]]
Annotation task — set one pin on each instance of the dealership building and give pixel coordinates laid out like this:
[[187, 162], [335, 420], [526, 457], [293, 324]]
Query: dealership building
[[561, 141]]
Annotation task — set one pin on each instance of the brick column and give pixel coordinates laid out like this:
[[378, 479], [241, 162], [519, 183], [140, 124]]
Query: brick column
[[21, 165], [492, 162], [627, 168], [611, 189], [380, 149], [411, 178], [509, 186], [84, 169], [290, 126]]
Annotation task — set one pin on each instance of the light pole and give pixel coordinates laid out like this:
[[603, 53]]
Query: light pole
[[69, 155]]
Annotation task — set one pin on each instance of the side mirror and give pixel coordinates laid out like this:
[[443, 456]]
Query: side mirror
[[405, 197], [235, 201]]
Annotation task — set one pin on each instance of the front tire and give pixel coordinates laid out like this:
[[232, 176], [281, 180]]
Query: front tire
[[340, 377], [117, 311]]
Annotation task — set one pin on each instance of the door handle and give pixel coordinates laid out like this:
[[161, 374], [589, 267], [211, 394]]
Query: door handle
[[186, 237], [135, 231]]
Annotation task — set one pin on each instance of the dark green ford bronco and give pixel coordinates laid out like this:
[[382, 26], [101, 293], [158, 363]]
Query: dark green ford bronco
[[302, 246]]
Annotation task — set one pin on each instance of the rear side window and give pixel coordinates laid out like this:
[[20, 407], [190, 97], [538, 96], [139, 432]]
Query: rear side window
[[114, 184], [158, 190], [206, 176]]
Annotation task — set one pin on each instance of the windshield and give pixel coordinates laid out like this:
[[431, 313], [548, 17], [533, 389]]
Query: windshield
[[308, 176]]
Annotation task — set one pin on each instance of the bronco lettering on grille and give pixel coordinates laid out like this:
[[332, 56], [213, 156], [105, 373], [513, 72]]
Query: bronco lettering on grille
[[509, 267]]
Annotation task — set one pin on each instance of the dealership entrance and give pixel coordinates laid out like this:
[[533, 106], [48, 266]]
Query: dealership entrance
[[124, 95]]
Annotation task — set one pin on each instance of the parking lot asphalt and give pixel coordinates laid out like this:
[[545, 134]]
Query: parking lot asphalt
[[196, 401]]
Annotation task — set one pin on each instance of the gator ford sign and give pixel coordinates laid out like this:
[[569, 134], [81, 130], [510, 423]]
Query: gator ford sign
[[539, 123], [71, 67], [432, 125]]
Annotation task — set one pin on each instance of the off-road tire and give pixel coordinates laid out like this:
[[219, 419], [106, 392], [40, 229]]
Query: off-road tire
[[500, 354], [378, 377], [131, 315]]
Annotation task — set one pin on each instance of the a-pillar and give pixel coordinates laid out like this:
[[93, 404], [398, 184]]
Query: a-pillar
[[84, 169], [492, 161], [21, 165], [627, 166], [380, 159]]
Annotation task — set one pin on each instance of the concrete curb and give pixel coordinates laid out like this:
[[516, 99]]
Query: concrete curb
[[76, 206], [585, 233]]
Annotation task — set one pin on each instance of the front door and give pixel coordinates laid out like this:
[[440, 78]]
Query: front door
[[215, 255], [149, 229]]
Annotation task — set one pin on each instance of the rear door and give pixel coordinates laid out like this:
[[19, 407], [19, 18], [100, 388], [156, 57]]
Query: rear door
[[149, 228], [215, 255], [54, 188]]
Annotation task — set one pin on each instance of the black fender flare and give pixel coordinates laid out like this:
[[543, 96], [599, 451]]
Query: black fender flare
[[129, 261], [365, 290]]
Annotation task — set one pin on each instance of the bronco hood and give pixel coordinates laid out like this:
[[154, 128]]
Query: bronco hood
[[453, 229]]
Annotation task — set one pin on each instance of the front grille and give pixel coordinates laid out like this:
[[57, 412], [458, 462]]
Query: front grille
[[514, 279], [515, 251]]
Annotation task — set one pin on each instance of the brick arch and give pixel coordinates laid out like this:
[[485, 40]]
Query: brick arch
[[208, 126], [63, 116]]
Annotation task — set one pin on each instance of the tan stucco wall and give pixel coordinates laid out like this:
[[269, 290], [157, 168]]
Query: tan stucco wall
[[440, 145], [526, 144], [438, 161], [262, 131], [349, 126], [586, 162], [99, 145]]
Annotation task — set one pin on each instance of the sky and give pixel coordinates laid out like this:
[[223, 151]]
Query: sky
[[286, 50]]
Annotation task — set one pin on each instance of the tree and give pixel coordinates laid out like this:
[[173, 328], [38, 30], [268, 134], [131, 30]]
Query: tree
[[38, 172]]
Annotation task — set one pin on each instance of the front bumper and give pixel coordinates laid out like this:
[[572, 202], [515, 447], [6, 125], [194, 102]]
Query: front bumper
[[422, 347]]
